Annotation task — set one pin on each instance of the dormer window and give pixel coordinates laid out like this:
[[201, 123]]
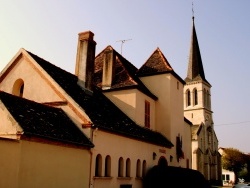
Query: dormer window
[[147, 114], [18, 88]]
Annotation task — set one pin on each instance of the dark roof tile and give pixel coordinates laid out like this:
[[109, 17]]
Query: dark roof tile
[[156, 63], [43, 121]]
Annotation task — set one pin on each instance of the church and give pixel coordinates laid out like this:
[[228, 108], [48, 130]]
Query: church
[[107, 124]]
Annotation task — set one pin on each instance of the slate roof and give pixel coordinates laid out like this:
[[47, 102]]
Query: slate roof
[[124, 74], [195, 67], [157, 64], [102, 112], [43, 121]]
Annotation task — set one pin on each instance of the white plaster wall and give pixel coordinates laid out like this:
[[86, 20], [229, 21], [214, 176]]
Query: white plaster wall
[[118, 146], [26, 164], [132, 103], [47, 165], [9, 162], [36, 86], [169, 112], [8, 126]]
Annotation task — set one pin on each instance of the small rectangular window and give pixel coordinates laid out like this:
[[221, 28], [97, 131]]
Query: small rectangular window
[[223, 176], [147, 114]]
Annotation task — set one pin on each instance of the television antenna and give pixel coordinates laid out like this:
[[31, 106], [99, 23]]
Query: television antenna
[[122, 42]]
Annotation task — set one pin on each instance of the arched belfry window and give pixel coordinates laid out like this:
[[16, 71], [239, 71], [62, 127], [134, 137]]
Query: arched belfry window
[[195, 97], [205, 97], [188, 97], [18, 88], [208, 99]]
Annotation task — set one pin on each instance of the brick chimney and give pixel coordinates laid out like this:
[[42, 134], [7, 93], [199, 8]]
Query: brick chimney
[[108, 69], [85, 60]]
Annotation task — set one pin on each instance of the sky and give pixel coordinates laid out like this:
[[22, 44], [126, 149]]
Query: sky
[[49, 29]]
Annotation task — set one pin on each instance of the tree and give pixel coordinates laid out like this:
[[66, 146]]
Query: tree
[[248, 167], [234, 160]]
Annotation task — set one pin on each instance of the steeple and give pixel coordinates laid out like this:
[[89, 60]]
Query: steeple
[[195, 70]]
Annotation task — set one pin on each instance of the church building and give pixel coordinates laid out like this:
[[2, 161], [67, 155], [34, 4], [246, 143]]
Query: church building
[[107, 124]]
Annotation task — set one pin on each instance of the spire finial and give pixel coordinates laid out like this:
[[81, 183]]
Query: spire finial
[[192, 10]]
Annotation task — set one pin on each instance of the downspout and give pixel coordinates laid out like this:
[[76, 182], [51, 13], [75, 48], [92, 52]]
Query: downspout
[[91, 178]]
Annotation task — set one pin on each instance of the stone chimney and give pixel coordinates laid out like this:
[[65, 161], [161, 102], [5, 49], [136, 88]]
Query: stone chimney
[[85, 60], [108, 69]]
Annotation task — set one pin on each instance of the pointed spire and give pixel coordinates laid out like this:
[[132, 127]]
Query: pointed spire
[[195, 68]]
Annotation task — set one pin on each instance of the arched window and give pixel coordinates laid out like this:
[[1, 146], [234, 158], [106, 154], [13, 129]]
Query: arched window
[[144, 168], [18, 88], [107, 166], [188, 97], [208, 99], [205, 98], [195, 97], [138, 168], [98, 166], [128, 167], [120, 167]]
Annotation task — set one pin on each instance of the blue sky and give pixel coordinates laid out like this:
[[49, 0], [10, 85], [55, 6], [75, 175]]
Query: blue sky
[[49, 29]]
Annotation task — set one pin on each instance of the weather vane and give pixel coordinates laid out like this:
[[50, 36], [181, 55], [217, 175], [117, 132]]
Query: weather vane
[[122, 41]]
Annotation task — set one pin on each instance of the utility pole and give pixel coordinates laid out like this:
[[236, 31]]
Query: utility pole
[[122, 42]]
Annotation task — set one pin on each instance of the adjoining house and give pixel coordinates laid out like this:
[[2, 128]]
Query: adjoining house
[[228, 177], [104, 126], [38, 144]]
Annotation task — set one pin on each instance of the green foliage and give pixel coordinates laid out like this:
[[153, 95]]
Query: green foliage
[[243, 174], [234, 160]]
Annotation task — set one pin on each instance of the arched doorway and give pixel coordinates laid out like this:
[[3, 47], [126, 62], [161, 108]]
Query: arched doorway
[[162, 161]]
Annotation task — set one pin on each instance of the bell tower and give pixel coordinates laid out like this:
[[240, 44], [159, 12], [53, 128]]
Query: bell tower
[[197, 109], [197, 95]]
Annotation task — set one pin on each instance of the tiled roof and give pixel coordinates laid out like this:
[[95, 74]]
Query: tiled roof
[[124, 73], [157, 64], [43, 121], [102, 112]]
